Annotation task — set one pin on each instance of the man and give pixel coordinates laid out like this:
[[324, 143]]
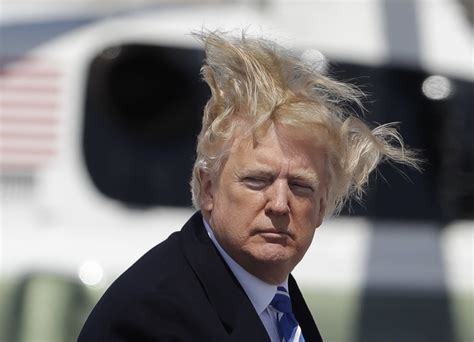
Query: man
[[278, 152]]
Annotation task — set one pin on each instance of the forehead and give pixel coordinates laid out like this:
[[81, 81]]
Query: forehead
[[279, 147]]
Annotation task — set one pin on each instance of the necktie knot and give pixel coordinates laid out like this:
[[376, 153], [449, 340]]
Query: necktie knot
[[288, 327], [281, 301]]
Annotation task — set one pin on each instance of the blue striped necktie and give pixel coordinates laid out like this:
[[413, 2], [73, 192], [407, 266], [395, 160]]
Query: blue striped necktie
[[288, 327]]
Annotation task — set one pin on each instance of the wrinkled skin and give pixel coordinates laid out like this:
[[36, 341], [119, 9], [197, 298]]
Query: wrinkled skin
[[267, 202]]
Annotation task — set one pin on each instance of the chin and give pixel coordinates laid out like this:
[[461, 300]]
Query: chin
[[274, 255]]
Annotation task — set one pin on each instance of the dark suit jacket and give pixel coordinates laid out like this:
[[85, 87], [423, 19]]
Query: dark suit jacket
[[182, 290]]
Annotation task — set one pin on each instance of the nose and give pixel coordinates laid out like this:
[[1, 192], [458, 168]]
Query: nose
[[277, 199]]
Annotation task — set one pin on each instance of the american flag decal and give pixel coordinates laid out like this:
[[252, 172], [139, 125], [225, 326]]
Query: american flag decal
[[29, 112]]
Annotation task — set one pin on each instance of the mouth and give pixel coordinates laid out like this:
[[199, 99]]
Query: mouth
[[272, 234]]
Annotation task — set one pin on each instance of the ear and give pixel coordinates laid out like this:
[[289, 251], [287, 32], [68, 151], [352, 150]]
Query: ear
[[322, 207], [207, 191]]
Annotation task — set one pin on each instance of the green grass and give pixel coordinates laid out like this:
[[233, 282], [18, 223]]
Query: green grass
[[53, 308], [335, 312], [462, 309]]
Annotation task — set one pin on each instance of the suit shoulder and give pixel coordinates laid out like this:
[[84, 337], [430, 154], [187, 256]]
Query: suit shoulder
[[161, 270], [163, 263]]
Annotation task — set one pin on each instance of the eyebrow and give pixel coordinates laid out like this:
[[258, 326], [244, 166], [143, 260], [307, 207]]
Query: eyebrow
[[304, 175], [259, 173]]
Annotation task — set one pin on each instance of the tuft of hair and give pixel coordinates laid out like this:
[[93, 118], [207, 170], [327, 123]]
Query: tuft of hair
[[255, 83]]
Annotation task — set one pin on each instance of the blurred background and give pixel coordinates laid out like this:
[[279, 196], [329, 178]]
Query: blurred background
[[100, 105]]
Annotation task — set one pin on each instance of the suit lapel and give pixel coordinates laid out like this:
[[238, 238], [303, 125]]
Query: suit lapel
[[302, 313], [223, 290]]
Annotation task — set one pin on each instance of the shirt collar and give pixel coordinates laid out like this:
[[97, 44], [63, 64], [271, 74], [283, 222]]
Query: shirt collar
[[259, 292]]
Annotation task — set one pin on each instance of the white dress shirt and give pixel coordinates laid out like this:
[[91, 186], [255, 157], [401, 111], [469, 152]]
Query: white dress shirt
[[259, 292]]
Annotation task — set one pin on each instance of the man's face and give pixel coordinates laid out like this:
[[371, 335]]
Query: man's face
[[267, 202]]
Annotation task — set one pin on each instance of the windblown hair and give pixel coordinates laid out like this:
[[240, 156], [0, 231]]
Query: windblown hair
[[256, 83]]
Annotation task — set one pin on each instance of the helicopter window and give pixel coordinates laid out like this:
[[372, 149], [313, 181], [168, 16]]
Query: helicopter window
[[144, 105], [433, 112], [142, 115]]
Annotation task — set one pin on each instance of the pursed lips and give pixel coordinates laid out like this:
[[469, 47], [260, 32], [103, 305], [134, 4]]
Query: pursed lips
[[273, 233]]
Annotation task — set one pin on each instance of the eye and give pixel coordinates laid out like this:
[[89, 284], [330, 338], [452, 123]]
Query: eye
[[255, 183], [301, 188]]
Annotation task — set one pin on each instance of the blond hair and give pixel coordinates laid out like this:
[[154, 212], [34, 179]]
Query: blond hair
[[255, 82]]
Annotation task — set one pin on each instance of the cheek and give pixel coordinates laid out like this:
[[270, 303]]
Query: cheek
[[231, 210], [308, 211], [307, 224], [244, 204], [239, 194], [307, 220], [237, 210]]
